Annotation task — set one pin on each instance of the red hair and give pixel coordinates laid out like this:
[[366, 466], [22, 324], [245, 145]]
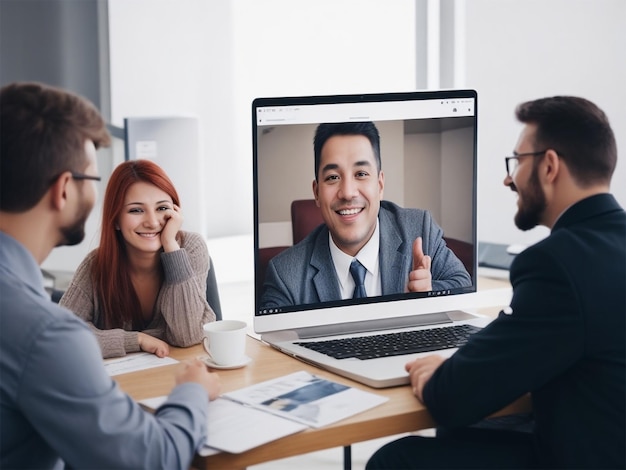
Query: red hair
[[111, 269]]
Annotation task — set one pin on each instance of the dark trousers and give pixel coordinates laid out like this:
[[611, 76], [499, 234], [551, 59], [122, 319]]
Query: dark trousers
[[458, 449]]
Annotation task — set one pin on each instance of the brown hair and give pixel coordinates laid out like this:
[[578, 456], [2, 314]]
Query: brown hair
[[578, 131], [114, 288], [43, 130]]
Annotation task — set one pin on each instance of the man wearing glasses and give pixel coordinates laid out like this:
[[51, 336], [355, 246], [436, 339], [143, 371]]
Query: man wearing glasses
[[563, 337], [58, 406]]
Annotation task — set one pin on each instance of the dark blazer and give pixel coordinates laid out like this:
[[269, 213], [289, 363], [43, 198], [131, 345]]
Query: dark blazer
[[562, 339], [305, 274]]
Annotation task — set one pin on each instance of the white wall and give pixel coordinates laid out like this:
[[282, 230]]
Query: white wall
[[522, 50], [211, 58], [172, 58]]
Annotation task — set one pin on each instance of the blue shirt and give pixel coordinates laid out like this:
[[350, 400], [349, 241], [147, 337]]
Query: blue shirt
[[57, 402]]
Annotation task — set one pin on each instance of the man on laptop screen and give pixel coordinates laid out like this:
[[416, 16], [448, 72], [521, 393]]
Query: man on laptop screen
[[365, 267], [367, 246]]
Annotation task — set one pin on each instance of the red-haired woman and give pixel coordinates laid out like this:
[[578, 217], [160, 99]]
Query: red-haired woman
[[144, 287]]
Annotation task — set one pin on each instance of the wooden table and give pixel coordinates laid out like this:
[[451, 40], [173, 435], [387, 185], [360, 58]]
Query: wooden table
[[401, 413]]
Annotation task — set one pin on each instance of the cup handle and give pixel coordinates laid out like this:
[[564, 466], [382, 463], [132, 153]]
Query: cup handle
[[205, 343]]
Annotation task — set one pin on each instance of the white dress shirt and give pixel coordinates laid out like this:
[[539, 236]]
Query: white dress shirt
[[368, 257]]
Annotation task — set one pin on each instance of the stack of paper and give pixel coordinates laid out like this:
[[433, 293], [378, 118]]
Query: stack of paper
[[267, 411]]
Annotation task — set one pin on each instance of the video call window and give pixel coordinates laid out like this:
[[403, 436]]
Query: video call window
[[427, 163]]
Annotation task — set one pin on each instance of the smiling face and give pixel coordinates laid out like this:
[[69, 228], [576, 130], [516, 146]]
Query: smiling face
[[143, 217], [348, 190], [531, 200]]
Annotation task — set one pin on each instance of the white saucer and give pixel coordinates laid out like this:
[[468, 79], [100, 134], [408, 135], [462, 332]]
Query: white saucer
[[207, 360]]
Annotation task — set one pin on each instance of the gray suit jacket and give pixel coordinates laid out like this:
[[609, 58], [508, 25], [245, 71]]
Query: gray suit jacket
[[305, 274]]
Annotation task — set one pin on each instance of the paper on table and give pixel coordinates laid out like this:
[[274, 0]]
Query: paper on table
[[306, 398], [134, 362], [235, 428], [261, 413]]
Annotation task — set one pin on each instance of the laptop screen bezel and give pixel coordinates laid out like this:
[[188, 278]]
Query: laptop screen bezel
[[329, 313]]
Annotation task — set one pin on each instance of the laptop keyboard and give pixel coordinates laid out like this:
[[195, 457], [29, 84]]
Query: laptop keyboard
[[394, 344]]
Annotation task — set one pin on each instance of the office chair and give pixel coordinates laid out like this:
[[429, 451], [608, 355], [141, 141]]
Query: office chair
[[265, 255], [305, 216], [212, 293], [463, 250], [56, 294]]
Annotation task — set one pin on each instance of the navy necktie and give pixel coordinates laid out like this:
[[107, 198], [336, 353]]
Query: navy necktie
[[358, 273]]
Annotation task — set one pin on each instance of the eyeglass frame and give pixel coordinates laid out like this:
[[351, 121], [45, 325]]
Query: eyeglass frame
[[82, 176], [516, 157], [79, 176]]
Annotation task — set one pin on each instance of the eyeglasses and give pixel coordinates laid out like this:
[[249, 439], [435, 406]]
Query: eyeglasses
[[512, 162], [80, 176]]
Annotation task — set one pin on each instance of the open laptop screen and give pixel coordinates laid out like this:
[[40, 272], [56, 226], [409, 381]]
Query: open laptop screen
[[428, 159]]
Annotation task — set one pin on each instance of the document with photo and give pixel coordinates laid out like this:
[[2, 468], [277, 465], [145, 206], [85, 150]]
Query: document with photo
[[282, 406], [306, 398], [235, 428]]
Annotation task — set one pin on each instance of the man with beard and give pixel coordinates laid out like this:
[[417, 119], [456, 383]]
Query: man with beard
[[563, 337], [58, 405]]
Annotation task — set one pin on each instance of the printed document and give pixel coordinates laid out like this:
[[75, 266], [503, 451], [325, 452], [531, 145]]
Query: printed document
[[134, 362], [307, 399], [261, 413]]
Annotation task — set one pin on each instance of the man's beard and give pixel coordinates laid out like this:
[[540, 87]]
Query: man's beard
[[75, 233], [533, 203]]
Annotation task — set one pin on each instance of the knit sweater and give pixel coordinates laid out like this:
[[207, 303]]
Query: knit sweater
[[180, 310]]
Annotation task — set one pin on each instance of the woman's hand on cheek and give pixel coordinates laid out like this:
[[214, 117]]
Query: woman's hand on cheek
[[173, 223]]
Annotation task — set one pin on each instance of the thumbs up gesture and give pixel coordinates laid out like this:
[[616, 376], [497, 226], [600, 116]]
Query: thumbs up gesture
[[420, 277]]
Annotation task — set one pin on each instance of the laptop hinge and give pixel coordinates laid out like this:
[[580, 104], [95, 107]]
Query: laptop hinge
[[374, 325]]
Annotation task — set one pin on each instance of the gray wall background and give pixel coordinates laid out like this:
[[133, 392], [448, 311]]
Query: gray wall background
[[59, 42]]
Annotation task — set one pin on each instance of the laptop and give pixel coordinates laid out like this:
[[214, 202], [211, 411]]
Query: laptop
[[428, 156]]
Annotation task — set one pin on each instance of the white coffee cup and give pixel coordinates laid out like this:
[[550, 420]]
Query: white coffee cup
[[225, 341]]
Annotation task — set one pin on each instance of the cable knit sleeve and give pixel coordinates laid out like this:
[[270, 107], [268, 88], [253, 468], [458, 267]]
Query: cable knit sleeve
[[80, 298], [182, 306]]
